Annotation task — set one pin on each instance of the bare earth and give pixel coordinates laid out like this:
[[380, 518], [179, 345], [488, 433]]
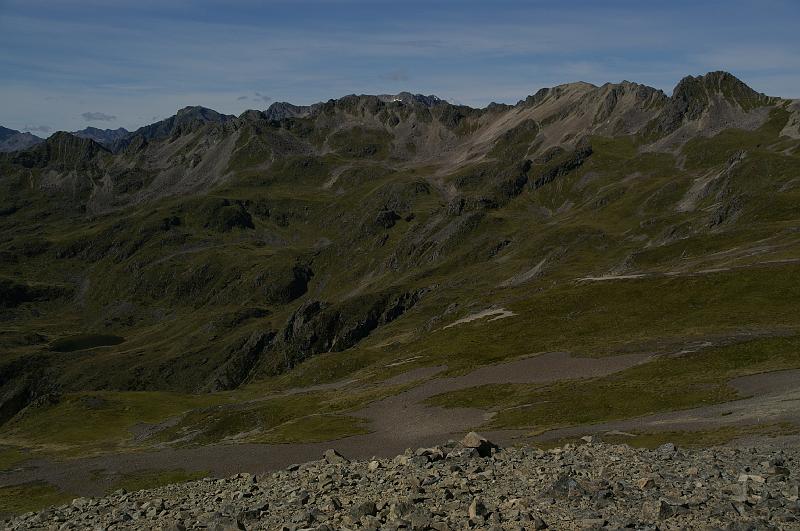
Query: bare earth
[[772, 397], [404, 421]]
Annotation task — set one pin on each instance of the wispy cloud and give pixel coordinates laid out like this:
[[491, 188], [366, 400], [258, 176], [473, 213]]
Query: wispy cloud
[[396, 75], [37, 128], [212, 53], [98, 117], [757, 58]]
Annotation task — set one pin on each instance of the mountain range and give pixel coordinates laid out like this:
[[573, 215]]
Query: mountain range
[[13, 140], [175, 276]]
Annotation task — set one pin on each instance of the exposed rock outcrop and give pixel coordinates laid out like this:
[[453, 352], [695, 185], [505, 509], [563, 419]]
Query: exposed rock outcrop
[[318, 327]]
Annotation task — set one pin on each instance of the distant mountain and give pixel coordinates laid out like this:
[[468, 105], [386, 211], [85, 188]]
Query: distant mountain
[[282, 110], [106, 137], [400, 231], [407, 97], [59, 151], [13, 140], [185, 120]]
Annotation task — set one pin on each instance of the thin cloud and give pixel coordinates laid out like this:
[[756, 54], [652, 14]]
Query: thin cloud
[[396, 75], [38, 128], [263, 97], [477, 54], [98, 117], [751, 59]]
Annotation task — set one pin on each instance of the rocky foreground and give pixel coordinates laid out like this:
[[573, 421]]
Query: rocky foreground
[[471, 484]]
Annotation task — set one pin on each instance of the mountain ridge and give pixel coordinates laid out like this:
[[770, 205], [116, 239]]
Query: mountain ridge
[[428, 128], [106, 137], [215, 264], [695, 88]]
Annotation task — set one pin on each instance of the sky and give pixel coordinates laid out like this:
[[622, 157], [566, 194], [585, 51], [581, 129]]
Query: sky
[[69, 64]]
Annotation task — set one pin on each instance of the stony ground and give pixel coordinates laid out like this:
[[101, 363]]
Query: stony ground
[[472, 484]]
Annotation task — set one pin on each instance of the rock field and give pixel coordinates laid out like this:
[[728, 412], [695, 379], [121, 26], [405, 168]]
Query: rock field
[[471, 484]]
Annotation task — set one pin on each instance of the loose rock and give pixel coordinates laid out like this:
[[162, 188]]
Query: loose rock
[[454, 486]]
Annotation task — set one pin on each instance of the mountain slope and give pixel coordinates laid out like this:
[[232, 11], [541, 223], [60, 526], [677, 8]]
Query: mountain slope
[[304, 245]]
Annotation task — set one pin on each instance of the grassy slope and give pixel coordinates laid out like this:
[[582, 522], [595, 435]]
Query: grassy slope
[[666, 384], [165, 290]]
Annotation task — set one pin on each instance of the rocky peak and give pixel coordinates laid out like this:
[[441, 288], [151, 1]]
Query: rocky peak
[[281, 110], [61, 149], [696, 92], [5, 132], [558, 92], [106, 137], [13, 140], [201, 114], [186, 119], [409, 98], [624, 98], [694, 95]]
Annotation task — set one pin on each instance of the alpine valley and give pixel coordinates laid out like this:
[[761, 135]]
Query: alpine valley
[[213, 294]]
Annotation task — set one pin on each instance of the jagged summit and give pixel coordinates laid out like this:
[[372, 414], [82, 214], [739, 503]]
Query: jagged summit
[[408, 97], [62, 151], [690, 98], [106, 137], [719, 81], [281, 110], [711, 102], [724, 86], [201, 114], [186, 119]]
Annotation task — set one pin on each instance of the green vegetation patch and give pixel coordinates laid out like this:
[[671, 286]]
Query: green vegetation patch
[[606, 317], [315, 428], [10, 457], [85, 423], [302, 417], [203, 426], [359, 142], [665, 384], [151, 479], [18, 499], [702, 152], [85, 341]]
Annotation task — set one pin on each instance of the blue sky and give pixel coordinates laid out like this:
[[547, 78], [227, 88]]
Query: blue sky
[[68, 64]]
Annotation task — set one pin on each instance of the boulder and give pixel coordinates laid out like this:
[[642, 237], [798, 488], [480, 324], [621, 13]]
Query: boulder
[[479, 443], [477, 509], [335, 458]]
